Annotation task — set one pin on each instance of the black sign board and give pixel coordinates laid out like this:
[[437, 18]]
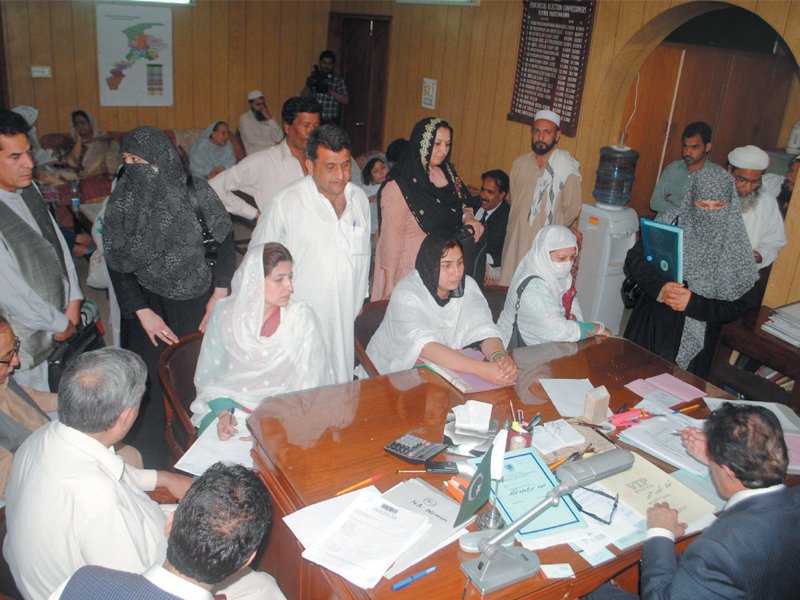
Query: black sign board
[[552, 58]]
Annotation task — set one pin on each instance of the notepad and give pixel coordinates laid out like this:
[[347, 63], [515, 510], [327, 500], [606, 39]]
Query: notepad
[[464, 382]]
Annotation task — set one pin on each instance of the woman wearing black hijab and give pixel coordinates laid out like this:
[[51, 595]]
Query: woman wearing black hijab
[[422, 195], [154, 246], [434, 312]]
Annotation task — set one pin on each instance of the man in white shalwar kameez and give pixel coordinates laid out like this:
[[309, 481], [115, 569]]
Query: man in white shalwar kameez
[[760, 212], [324, 221], [264, 173]]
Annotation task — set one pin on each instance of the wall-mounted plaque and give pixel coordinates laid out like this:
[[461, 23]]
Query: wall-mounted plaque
[[552, 58]]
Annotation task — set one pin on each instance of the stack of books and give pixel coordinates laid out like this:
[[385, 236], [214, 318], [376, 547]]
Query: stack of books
[[784, 323]]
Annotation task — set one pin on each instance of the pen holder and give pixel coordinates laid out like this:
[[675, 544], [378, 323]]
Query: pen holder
[[517, 440]]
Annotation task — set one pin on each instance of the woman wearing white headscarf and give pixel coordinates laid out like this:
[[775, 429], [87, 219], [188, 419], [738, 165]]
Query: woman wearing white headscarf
[[545, 270], [435, 311], [212, 153], [257, 344], [681, 322], [95, 152]]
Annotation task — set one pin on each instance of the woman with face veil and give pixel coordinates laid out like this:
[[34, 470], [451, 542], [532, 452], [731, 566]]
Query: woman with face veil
[[681, 321], [435, 311], [165, 283]]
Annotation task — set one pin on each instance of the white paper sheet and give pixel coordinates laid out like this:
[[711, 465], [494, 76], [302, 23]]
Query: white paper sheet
[[307, 524], [567, 395], [365, 539], [209, 449]]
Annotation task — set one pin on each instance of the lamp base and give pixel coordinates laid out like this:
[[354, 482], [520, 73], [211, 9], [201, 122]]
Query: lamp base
[[507, 567]]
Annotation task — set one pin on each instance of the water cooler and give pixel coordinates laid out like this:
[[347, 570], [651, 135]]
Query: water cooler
[[609, 231]]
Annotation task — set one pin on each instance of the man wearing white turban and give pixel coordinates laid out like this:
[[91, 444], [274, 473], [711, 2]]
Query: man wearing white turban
[[760, 212]]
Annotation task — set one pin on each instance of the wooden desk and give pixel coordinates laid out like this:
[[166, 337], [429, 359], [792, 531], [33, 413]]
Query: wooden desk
[[746, 336], [310, 445]]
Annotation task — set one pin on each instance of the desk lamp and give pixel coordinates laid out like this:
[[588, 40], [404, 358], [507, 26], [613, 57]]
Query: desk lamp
[[499, 566]]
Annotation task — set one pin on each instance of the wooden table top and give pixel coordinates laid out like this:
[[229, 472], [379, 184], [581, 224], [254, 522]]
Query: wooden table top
[[317, 442]]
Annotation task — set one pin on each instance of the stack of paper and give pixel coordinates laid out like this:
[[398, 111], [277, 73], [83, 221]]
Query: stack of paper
[[209, 449], [784, 323], [364, 535], [659, 437], [789, 421], [667, 383], [555, 435]]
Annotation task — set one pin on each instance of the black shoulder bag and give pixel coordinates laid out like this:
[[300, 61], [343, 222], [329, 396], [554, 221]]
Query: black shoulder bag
[[516, 340]]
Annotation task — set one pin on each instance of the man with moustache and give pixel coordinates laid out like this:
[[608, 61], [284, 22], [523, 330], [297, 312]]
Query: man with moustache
[[258, 128], [327, 87], [40, 294], [493, 213], [546, 190], [264, 173], [324, 221], [676, 177]]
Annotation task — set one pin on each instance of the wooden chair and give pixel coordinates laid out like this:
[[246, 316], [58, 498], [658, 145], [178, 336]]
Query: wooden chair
[[365, 326], [176, 371], [496, 297]]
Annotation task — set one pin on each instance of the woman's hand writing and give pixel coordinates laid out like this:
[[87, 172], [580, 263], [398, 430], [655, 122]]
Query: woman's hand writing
[[226, 426], [155, 327]]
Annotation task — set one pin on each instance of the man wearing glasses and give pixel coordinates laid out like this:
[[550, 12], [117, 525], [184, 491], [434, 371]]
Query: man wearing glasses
[[22, 409], [751, 549]]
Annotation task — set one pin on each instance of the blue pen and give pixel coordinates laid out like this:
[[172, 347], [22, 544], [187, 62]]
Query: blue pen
[[401, 584]]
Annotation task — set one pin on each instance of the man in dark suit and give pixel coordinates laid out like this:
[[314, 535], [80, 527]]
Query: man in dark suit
[[493, 213], [750, 551], [212, 536]]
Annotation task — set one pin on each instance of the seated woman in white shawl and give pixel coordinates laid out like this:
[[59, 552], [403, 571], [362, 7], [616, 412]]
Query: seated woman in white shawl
[[257, 344], [545, 273], [436, 310], [213, 152]]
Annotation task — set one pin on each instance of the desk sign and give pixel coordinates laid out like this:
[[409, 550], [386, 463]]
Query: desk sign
[[552, 58]]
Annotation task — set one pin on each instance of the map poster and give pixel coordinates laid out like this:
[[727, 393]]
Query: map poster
[[134, 55]]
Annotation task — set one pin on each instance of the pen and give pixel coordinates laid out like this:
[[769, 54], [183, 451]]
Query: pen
[[511, 406], [519, 416], [410, 471], [372, 479], [403, 583], [686, 409], [232, 410], [622, 408]]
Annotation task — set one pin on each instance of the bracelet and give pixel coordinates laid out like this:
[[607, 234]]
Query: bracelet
[[496, 354]]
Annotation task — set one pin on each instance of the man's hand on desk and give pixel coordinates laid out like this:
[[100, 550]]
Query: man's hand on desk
[[177, 485], [695, 442], [662, 516]]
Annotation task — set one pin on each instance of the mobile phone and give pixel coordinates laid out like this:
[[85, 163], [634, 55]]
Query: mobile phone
[[446, 467]]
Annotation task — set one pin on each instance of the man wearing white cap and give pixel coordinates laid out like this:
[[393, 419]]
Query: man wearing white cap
[[546, 190], [760, 212], [259, 130]]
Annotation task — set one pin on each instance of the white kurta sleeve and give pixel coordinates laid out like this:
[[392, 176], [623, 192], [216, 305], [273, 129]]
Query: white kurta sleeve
[[541, 318], [241, 176], [110, 538], [773, 234]]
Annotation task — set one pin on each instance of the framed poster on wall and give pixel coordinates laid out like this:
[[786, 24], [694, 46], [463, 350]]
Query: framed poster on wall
[[134, 55]]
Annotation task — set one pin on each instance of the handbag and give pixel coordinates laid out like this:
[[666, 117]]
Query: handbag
[[88, 336], [210, 245], [516, 340], [630, 291]]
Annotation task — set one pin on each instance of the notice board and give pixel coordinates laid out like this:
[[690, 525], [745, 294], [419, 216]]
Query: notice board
[[552, 58]]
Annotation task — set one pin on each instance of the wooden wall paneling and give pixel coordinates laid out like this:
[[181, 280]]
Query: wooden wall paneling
[[477, 118], [17, 41], [648, 127], [237, 52], [774, 12], [218, 47], [308, 46], [393, 126], [254, 32], [515, 138], [41, 52], [269, 82], [202, 81], [784, 279], [182, 80], [64, 65], [457, 106], [776, 99], [628, 23], [290, 54], [318, 37], [85, 68], [792, 112], [652, 8], [743, 98], [449, 77]]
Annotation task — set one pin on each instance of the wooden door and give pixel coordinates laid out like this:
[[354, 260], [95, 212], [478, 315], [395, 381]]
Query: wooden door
[[363, 44]]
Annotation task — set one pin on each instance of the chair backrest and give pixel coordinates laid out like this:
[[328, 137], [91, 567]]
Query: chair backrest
[[496, 297], [176, 369], [366, 325]]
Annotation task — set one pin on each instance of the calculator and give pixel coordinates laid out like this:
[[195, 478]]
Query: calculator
[[414, 449]]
